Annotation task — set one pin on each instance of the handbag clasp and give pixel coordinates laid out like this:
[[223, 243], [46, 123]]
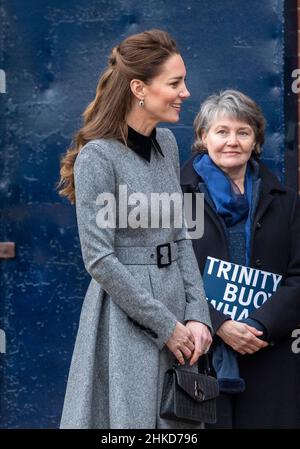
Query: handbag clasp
[[199, 393]]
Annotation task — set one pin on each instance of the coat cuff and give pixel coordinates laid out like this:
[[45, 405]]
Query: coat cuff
[[165, 333], [194, 312], [217, 318]]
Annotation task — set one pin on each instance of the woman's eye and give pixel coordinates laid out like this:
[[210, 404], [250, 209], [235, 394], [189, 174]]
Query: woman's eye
[[222, 131], [174, 84], [244, 133]]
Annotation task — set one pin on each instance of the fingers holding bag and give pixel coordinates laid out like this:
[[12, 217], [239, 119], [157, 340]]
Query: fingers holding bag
[[181, 343]]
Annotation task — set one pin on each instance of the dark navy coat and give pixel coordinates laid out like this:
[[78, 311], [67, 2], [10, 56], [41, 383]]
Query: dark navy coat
[[272, 375]]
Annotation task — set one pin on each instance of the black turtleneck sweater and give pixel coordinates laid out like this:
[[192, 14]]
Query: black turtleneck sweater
[[142, 145]]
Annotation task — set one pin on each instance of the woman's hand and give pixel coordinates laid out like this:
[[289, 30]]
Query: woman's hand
[[181, 343], [241, 337], [202, 339]]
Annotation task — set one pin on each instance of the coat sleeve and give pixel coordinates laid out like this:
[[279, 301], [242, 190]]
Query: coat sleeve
[[217, 317], [281, 313], [94, 174], [196, 304]]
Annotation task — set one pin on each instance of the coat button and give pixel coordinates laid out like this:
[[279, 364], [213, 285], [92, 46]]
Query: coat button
[[258, 225], [258, 262]]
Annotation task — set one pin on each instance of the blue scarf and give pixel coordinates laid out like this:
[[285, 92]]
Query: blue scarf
[[230, 204]]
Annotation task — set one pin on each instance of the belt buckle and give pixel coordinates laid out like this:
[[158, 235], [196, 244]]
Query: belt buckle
[[160, 256]]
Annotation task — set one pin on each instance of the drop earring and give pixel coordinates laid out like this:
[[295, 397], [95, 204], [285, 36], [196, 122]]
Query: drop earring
[[141, 103]]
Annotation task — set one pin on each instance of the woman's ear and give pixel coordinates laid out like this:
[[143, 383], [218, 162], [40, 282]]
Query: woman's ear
[[137, 88], [203, 137]]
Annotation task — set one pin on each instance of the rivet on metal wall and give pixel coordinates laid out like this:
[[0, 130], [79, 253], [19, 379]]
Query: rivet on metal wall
[[7, 250]]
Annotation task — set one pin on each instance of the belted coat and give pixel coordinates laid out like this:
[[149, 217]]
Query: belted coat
[[272, 395], [131, 308]]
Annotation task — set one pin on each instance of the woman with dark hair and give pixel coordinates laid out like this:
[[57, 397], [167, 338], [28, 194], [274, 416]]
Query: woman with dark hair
[[145, 306], [250, 220]]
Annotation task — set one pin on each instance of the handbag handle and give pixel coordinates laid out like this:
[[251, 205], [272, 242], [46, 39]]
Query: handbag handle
[[203, 365]]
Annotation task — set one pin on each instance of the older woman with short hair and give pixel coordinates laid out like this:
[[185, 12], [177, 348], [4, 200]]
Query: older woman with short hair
[[252, 220]]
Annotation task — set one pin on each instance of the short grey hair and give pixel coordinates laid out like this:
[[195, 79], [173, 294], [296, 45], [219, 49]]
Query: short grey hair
[[233, 104]]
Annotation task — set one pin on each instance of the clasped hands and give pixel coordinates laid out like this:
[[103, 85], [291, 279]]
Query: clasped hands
[[189, 341], [241, 337]]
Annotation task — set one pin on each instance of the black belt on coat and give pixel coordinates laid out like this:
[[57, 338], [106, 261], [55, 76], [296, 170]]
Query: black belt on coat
[[161, 255]]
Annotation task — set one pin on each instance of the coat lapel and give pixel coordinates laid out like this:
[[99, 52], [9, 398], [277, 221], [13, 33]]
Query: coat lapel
[[190, 181], [270, 186]]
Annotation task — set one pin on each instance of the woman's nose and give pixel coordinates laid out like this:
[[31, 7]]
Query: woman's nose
[[232, 140], [184, 93]]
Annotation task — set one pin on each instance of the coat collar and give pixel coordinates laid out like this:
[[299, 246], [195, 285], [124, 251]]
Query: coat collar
[[188, 176], [143, 145], [270, 183]]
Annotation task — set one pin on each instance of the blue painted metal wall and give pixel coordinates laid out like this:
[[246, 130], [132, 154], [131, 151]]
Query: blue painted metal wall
[[52, 52]]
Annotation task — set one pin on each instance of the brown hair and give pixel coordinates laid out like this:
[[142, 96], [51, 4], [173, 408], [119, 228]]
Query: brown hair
[[139, 56], [234, 104]]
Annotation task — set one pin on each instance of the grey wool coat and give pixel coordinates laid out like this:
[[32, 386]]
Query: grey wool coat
[[130, 309]]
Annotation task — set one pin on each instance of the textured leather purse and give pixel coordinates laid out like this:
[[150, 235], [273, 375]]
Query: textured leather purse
[[189, 396]]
